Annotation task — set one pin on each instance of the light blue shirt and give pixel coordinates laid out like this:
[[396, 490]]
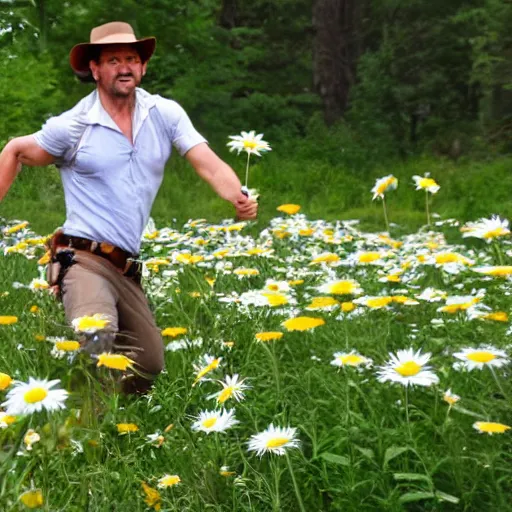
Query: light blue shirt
[[109, 183]]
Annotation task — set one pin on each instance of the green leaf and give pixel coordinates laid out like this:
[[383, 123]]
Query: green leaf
[[442, 496], [412, 477], [367, 452], [393, 452], [335, 459], [409, 497], [467, 412]]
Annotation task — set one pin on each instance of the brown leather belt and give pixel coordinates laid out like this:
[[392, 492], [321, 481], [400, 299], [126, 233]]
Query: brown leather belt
[[123, 260]]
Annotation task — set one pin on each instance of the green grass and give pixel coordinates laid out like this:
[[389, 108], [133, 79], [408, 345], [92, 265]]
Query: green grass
[[469, 189], [358, 451]]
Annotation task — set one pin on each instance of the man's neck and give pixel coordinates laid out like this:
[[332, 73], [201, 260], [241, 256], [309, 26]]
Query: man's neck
[[117, 106]]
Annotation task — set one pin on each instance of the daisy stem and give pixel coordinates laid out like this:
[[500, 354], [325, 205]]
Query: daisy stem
[[347, 395], [295, 486], [498, 253], [275, 370], [276, 502], [498, 382], [385, 213], [247, 169], [427, 207], [407, 410]]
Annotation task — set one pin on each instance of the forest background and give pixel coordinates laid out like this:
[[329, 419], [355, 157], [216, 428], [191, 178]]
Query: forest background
[[344, 91]]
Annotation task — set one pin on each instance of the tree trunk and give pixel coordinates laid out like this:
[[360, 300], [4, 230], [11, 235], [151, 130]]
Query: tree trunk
[[336, 50], [227, 17]]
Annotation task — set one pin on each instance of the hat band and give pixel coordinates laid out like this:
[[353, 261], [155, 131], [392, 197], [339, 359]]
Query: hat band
[[116, 38]]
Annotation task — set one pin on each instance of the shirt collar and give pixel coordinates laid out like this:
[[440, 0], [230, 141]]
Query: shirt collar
[[143, 103]]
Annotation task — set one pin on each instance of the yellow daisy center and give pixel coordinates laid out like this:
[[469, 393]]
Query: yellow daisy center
[[303, 323], [342, 288], [226, 394], [347, 307], [379, 302], [35, 395], [496, 232], [408, 369], [67, 345], [351, 359], [276, 299], [427, 183], [250, 144], [114, 361], [369, 257], [277, 442], [481, 356], [210, 422]]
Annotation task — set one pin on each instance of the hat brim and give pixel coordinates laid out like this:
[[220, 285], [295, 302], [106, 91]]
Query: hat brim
[[80, 54]]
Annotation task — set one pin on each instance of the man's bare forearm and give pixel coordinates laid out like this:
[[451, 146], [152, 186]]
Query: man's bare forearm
[[9, 166], [223, 180]]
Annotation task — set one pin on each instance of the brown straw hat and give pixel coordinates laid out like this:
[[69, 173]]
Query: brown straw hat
[[116, 32]]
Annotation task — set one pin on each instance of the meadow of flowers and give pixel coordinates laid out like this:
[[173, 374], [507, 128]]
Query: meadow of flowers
[[309, 366]]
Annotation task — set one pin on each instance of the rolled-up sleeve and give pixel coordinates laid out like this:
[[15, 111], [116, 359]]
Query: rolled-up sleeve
[[181, 130], [55, 136]]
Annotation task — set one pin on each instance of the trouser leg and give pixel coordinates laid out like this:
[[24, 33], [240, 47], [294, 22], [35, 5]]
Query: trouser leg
[[137, 327], [94, 286]]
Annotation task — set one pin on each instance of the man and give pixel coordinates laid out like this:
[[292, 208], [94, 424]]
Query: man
[[111, 149]]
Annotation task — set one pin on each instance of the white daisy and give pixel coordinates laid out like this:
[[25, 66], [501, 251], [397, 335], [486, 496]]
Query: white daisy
[[382, 185], [34, 396], [486, 229], [426, 183], [408, 368], [215, 421], [248, 142], [273, 440], [477, 358], [232, 387], [343, 287], [352, 358]]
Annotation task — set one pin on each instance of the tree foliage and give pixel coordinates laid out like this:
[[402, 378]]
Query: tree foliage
[[405, 75]]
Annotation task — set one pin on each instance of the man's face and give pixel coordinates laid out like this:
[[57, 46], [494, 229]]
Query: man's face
[[119, 70]]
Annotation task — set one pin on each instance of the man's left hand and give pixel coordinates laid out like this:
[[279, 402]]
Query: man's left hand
[[246, 208]]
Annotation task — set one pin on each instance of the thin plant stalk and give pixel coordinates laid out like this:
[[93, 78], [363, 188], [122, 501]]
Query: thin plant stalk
[[295, 486], [276, 501], [247, 170], [275, 370], [498, 253], [407, 411], [498, 382], [385, 213], [427, 207]]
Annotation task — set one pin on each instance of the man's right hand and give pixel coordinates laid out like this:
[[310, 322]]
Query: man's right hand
[[246, 208]]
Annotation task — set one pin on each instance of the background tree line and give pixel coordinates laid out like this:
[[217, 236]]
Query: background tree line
[[353, 79]]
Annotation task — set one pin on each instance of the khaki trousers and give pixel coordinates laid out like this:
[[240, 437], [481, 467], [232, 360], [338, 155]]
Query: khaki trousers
[[94, 285]]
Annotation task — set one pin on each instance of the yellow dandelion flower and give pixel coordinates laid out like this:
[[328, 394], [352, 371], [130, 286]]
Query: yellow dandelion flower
[[173, 332], [347, 307], [289, 209], [45, 259], [126, 428], [152, 496], [275, 299], [268, 336], [5, 381], [34, 309], [488, 427], [90, 324], [32, 498], [16, 228], [114, 361], [169, 481], [67, 345], [8, 320], [302, 323]]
